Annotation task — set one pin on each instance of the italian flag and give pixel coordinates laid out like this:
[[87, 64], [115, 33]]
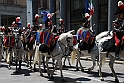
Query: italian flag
[[89, 9]]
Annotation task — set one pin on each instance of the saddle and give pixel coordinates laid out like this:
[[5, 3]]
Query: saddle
[[87, 45], [83, 45], [109, 45]]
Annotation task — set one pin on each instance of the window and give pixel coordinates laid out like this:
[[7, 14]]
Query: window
[[9, 2], [44, 5]]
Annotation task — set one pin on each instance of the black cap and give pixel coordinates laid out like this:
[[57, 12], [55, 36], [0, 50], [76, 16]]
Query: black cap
[[118, 12]]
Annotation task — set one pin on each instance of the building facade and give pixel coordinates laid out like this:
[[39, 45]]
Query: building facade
[[10, 9], [71, 11]]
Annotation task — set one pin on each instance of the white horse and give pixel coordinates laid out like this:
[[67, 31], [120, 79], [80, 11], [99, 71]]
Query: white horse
[[64, 42], [102, 56], [17, 49], [93, 52]]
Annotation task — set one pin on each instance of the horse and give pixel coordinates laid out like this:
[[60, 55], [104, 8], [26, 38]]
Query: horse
[[93, 51], [64, 43], [28, 40], [17, 48], [111, 55]]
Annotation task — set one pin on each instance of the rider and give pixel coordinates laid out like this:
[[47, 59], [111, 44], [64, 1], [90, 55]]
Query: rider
[[85, 34], [61, 30], [118, 30]]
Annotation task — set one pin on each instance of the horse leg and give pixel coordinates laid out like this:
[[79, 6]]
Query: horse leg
[[54, 69], [69, 61], [20, 61], [30, 60], [43, 59], [16, 60], [78, 60], [9, 60], [48, 72], [102, 55], [41, 74], [93, 60], [111, 63], [60, 67], [77, 69], [34, 67], [53, 62], [64, 61]]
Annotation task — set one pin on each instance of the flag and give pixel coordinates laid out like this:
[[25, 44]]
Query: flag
[[89, 9]]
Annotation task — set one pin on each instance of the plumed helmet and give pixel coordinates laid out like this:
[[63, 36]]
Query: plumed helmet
[[37, 16], [121, 5], [17, 19], [28, 24], [61, 21]]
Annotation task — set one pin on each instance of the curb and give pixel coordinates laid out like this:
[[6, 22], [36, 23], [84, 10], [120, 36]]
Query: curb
[[116, 61]]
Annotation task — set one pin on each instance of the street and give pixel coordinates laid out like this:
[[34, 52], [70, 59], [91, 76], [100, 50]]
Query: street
[[71, 75]]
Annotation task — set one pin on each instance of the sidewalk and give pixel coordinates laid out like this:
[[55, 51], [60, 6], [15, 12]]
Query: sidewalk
[[121, 61]]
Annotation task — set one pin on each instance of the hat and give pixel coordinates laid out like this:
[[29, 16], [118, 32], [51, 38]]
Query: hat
[[37, 16], [121, 5], [119, 11]]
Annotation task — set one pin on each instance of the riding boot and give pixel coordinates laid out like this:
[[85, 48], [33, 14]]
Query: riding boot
[[117, 52]]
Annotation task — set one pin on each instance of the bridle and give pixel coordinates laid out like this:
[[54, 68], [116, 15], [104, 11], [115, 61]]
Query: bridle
[[17, 39], [65, 46]]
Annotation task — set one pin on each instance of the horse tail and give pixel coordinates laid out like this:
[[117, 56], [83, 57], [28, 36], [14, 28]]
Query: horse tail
[[36, 54], [73, 55], [8, 57]]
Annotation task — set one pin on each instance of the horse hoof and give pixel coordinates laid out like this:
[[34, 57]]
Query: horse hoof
[[101, 79], [77, 69], [9, 68], [116, 80], [27, 65], [41, 74], [48, 75], [63, 79], [82, 70], [19, 68], [52, 77]]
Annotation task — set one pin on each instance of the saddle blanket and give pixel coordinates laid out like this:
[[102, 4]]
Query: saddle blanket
[[84, 35], [9, 41], [45, 37], [109, 45]]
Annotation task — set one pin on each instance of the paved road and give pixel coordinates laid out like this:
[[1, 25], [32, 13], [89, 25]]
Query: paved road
[[72, 76]]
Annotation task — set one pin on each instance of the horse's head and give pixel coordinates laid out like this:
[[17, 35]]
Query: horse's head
[[66, 40], [16, 35]]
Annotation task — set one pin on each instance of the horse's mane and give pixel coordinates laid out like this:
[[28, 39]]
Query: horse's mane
[[63, 35], [102, 34]]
